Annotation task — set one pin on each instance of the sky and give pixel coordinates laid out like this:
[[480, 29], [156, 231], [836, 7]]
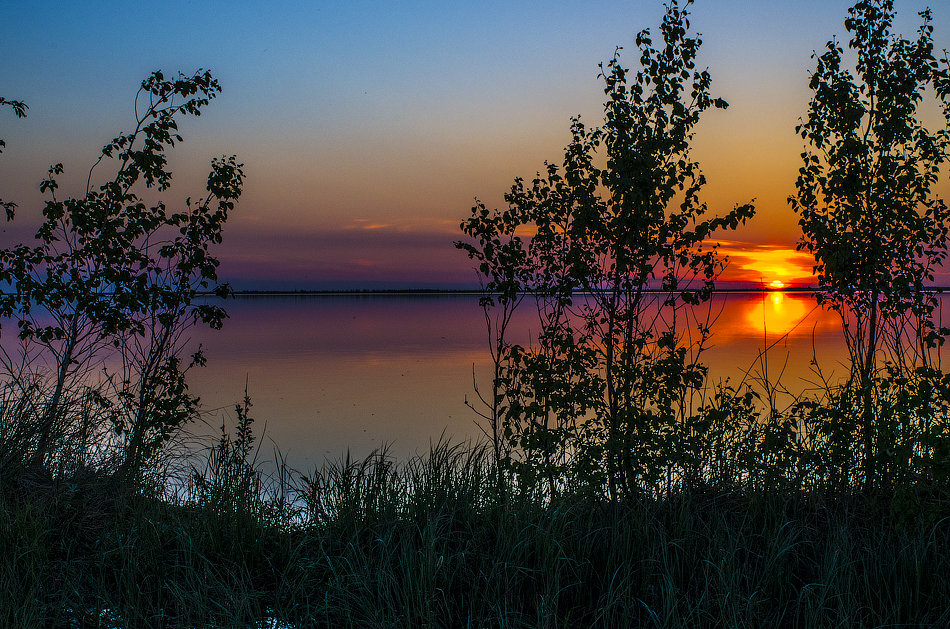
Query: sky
[[368, 129]]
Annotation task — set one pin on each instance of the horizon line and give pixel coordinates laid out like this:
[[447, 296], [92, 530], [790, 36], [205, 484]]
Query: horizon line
[[476, 291]]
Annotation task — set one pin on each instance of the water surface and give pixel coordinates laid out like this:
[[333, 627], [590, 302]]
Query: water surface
[[329, 374]]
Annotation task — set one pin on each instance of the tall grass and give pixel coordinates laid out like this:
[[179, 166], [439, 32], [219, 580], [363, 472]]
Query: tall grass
[[763, 522], [436, 541]]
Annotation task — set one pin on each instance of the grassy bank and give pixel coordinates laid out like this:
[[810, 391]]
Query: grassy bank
[[436, 542]]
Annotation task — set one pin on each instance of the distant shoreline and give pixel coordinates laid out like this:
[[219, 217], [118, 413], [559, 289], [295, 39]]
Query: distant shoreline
[[356, 292]]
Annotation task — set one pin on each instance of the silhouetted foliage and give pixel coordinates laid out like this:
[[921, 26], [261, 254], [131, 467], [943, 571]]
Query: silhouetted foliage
[[110, 273], [502, 264], [19, 109], [877, 229], [616, 259]]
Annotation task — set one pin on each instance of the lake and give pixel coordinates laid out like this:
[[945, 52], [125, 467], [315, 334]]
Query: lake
[[331, 373]]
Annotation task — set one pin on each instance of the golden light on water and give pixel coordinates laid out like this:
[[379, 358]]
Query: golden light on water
[[777, 313]]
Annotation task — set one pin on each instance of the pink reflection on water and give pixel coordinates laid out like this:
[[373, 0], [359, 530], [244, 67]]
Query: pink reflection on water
[[331, 373], [335, 373]]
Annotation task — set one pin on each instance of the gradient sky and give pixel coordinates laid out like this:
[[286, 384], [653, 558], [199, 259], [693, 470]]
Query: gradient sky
[[368, 128]]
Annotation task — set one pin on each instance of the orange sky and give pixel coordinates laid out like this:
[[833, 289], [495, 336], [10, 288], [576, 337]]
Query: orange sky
[[367, 129], [761, 265]]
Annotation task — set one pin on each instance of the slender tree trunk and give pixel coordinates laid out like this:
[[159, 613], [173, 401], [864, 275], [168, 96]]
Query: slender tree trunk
[[499, 349], [614, 449], [867, 385], [48, 421]]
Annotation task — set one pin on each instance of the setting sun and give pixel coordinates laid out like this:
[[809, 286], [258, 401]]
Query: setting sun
[[751, 263]]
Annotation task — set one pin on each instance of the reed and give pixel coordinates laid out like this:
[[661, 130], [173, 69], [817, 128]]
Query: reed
[[435, 541]]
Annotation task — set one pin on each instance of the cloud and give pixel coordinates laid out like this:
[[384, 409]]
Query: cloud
[[408, 253], [757, 263]]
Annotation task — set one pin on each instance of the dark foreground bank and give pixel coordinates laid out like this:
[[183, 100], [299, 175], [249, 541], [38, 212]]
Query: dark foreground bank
[[436, 542]]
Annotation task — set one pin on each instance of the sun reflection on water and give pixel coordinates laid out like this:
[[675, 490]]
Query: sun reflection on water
[[777, 313]]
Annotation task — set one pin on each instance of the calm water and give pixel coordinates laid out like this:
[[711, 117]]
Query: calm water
[[331, 373]]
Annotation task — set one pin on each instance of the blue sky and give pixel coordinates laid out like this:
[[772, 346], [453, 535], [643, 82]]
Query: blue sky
[[367, 128]]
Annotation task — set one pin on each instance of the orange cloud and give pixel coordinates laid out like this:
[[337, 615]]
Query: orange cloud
[[403, 225], [772, 265]]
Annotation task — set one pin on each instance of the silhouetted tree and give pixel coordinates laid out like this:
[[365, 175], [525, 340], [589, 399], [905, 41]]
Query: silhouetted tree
[[867, 205], [501, 257], [617, 257], [110, 272]]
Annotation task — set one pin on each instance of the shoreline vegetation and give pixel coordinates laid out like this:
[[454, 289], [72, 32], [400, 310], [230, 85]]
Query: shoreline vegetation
[[479, 292], [617, 485], [435, 542], [305, 292]]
